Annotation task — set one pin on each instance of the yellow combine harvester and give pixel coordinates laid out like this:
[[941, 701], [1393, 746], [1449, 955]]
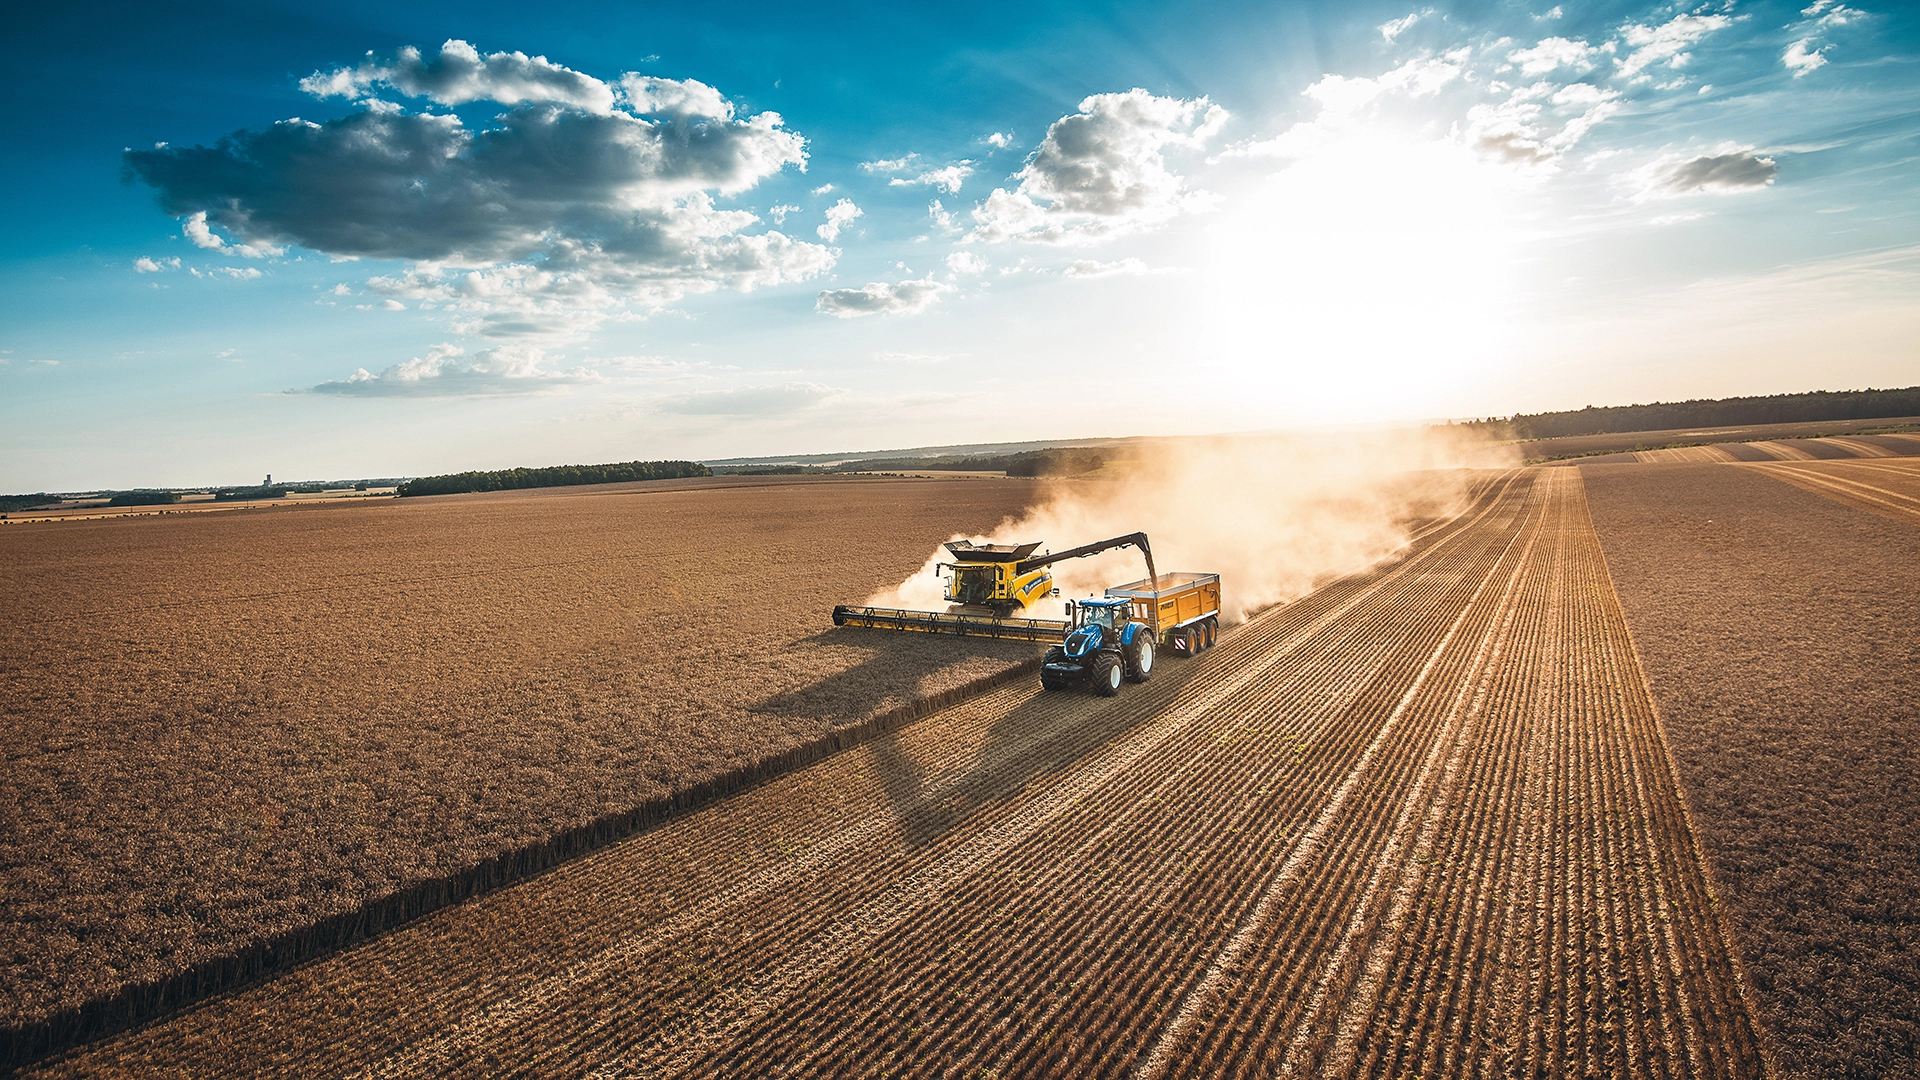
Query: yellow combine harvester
[[988, 583]]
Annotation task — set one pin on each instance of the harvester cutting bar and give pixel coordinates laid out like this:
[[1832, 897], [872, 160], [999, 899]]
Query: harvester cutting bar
[[944, 622]]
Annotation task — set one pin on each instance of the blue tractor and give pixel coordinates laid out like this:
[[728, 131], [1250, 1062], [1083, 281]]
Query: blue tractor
[[1105, 645]]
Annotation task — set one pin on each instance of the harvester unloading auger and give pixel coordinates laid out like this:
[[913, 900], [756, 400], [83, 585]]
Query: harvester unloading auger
[[988, 583]]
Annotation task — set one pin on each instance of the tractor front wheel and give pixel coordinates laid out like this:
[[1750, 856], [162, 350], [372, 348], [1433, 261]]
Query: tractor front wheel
[[1106, 675]]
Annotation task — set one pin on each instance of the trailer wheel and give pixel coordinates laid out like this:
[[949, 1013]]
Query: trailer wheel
[[1106, 675], [1140, 659], [1213, 630]]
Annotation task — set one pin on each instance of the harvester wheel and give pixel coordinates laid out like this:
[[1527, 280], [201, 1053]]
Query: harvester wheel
[[1140, 659], [1106, 675]]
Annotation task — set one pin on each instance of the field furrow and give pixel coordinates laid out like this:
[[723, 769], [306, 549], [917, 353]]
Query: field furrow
[[1884, 486], [1421, 821]]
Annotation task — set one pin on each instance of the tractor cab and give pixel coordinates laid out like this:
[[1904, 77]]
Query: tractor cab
[[1095, 624], [1106, 614]]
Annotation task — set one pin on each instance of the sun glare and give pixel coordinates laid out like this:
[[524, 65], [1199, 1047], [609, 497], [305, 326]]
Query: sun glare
[[1363, 276]]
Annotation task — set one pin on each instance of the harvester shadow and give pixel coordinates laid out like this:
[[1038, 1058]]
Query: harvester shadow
[[1040, 738], [896, 665]]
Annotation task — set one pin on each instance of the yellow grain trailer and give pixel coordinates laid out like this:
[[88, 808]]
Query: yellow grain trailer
[[1182, 608]]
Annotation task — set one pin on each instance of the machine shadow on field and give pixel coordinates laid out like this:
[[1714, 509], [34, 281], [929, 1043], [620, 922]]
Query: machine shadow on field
[[891, 675], [1042, 736]]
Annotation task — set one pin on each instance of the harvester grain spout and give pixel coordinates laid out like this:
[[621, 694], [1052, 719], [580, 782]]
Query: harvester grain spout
[[1138, 540]]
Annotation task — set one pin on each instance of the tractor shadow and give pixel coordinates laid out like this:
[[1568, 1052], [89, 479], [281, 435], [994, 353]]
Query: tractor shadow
[[1042, 738]]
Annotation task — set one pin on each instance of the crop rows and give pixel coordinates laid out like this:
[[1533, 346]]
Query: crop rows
[[1890, 486], [1776, 629], [1421, 821], [1830, 448]]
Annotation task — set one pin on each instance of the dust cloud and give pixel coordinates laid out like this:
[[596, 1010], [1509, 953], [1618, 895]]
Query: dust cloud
[[1273, 515]]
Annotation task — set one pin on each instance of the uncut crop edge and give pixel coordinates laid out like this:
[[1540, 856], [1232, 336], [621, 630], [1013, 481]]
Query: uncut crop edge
[[141, 1003]]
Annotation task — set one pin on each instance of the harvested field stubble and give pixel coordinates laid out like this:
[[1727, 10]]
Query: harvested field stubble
[[229, 730], [1777, 630], [1627, 442], [1890, 487], [1419, 822]]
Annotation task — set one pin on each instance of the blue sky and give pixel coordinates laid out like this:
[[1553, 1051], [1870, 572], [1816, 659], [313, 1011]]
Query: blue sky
[[517, 236]]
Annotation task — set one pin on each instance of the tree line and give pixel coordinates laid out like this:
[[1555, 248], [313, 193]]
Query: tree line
[[552, 476], [1062, 461], [1717, 412]]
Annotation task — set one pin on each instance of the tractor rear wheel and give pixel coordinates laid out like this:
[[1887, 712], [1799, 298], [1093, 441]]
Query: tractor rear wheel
[[1106, 675], [1140, 659]]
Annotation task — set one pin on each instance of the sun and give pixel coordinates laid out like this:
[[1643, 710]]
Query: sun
[[1364, 276]]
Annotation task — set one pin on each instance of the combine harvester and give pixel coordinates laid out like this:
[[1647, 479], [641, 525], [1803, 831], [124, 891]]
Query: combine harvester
[[1102, 642]]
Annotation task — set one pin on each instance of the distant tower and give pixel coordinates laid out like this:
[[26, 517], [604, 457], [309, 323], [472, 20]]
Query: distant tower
[[269, 482]]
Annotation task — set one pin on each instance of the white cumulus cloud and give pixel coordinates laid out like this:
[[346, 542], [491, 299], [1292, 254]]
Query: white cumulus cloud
[[1394, 28], [1803, 57], [459, 74], [447, 370], [196, 229], [910, 297], [580, 200], [1342, 99], [839, 216], [1808, 53], [967, 263], [1554, 52], [947, 178], [1666, 43], [1731, 170], [1089, 268], [145, 265], [1536, 124], [1101, 172], [238, 273]]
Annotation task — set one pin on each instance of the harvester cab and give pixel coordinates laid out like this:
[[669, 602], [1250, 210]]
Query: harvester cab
[[991, 576], [1104, 646]]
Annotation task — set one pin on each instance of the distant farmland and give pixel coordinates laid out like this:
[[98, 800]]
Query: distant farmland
[[1765, 442]]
